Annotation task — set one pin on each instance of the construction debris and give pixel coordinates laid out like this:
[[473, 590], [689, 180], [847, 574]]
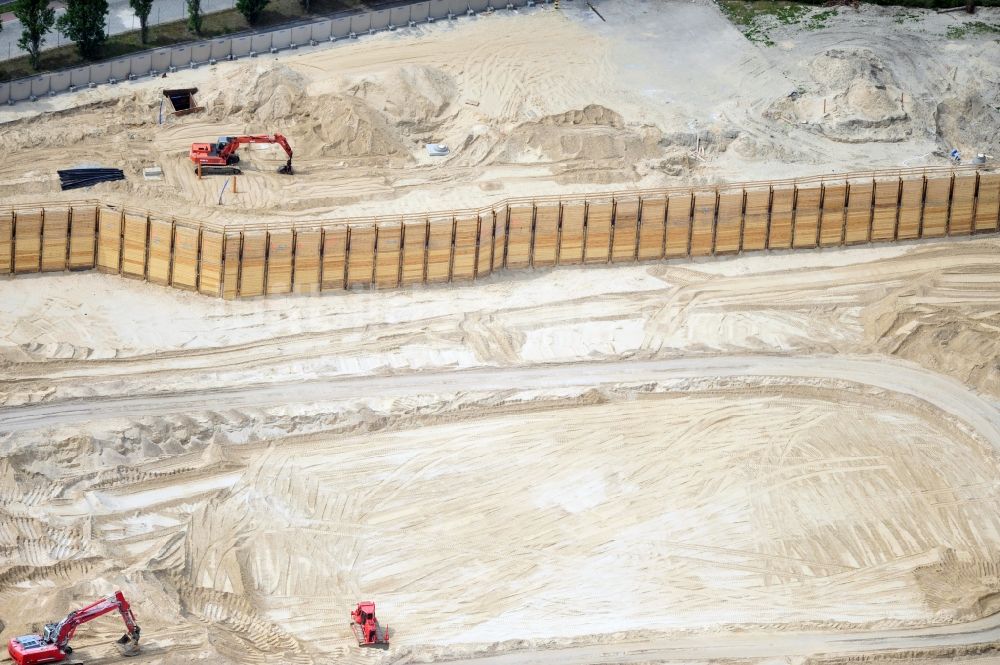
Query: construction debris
[[76, 178]]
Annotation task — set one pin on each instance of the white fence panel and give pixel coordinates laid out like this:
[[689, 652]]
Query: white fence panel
[[361, 22], [439, 9], [479, 5], [40, 86], [120, 69], [100, 73], [261, 43], [380, 19], [80, 76], [201, 52], [160, 60], [4, 92], [221, 48], [180, 56], [141, 64], [241, 47], [301, 34], [20, 90], [420, 11], [399, 16], [60, 81], [340, 27], [281, 38], [321, 31], [459, 7]]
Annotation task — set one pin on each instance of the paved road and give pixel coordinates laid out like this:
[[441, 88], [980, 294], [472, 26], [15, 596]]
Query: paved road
[[121, 18]]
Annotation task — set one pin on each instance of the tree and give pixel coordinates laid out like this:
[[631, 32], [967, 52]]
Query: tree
[[142, 8], [194, 16], [305, 5], [84, 23], [36, 19], [251, 9]]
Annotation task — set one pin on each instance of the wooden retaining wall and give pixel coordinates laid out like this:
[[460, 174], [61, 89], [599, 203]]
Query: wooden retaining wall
[[440, 248]]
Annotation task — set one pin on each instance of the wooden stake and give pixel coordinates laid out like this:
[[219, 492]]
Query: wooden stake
[[824, 105], [199, 170], [234, 184]]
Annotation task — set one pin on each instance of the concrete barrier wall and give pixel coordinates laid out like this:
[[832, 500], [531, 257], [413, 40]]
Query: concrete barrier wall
[[460, 247], [159, 60]]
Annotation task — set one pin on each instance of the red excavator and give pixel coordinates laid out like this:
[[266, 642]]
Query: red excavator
[[365, 626], [221, 158], [52, 646]]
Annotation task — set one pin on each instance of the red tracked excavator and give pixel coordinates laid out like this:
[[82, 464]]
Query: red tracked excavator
[[366, 627], [221, 158], [52, 646]]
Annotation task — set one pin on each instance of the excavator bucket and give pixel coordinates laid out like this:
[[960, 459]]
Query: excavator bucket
[[286, 169], [127, 646]]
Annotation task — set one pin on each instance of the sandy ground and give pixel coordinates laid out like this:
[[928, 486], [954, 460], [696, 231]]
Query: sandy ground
[[534, 102], [808, 445], [786, 458]]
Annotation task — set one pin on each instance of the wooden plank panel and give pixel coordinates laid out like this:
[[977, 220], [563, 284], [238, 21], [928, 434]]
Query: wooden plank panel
[[55, 239], [439, 239], [571, 238], [597, 244], [886, 209], [625, 231], [543, 253], [500, 239], [807, 200], [360, 255], [859, 212], [252, 264], [307, 261], [484, 259], [109, 240], [519, 237], [652, 215], [82, 239], [161, 237], [678, 225], [414, 251], [7, 242], [278, 276], [134, 245], [210, 270], [936, 199], [831, 224], [388, 252], [911, 202], [963, 200], [232, 248], [730, 223], [184, 272], [987, 203], [779, 234], [755, 219], [334, 257], [463, 264], [703, 224], [27, 241]]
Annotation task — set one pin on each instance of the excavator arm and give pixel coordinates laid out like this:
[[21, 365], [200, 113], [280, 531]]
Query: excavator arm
[[233, 143]]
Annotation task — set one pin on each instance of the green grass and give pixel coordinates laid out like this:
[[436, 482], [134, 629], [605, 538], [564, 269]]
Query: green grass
[[167, 34], [973, 28], [903, 17], [755, 18]]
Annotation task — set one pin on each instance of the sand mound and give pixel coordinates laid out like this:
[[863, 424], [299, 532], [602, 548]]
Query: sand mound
[[417, 98], [968, 122], [861, 99]]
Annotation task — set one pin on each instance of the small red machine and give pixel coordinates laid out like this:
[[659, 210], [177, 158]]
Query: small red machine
[[52, 645], [366, 627], [221, 158]]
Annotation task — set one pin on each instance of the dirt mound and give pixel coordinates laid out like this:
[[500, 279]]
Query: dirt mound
[[417, 98], [968, 122], [853, 98]]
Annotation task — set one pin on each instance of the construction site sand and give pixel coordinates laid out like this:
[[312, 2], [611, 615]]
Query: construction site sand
[[811, 441], [536, 102]]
